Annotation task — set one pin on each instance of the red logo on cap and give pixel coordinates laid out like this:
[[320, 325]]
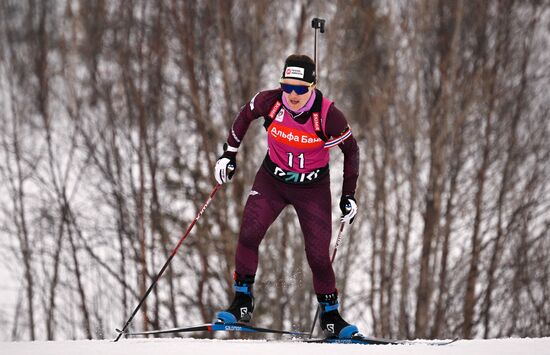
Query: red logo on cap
[[288, 70]]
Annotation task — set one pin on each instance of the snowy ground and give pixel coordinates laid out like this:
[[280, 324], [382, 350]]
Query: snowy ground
[[181, 346]]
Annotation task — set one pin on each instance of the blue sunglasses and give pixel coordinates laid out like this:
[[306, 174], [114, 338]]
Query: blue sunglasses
[[298, 89]]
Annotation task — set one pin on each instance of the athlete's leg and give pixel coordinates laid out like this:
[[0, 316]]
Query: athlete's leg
[[264, 204], [313, 206]]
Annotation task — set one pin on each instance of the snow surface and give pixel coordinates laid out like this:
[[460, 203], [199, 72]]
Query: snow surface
[[181, 346]]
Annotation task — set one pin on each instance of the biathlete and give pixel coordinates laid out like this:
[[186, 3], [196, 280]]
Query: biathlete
[[302, 126]]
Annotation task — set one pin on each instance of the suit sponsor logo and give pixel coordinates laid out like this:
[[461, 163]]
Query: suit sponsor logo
[[294, 138], [294, 177], [274, 109], [316, 121]]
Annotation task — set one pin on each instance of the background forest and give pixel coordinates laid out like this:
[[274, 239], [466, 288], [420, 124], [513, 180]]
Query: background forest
[[113, 113]]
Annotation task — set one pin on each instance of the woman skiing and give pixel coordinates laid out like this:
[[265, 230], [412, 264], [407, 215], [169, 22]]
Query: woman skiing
[[301, 127]]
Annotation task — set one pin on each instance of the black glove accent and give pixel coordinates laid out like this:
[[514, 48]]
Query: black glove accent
[[232, 166], [345, 205]]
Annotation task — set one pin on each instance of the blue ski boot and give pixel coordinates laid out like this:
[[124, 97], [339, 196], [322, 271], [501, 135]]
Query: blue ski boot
[[332, 322], [240, 310]]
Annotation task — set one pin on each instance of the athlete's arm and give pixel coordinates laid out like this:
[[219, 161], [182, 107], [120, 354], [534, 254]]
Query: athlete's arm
[[226, 165], [337, 126], [257, 107]]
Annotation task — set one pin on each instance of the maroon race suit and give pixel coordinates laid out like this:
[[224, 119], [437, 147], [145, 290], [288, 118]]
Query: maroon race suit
[[279, 182]]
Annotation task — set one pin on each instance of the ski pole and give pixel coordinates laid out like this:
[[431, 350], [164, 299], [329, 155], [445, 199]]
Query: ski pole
[[338, 240], [203, 208], [317, 24]]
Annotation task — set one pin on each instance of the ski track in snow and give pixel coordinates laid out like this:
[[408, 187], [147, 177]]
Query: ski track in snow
[[180, 346]]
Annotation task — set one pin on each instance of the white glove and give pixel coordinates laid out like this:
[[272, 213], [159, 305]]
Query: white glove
[[225, 168]]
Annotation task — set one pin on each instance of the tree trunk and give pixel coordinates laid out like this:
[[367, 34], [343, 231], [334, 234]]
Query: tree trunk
[[473, 273], [86, 322]]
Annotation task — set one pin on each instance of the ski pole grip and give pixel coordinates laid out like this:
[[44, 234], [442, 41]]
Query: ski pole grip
[[318, 23]]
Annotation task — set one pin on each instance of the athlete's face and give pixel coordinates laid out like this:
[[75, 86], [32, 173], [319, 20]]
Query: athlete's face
[[295, 100]]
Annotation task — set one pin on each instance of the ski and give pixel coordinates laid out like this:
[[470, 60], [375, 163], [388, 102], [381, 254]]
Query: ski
[[353, 340], [430, 342], [364, 340], [215, 327], [239, 327]]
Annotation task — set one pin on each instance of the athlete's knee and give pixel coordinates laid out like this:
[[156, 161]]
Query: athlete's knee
[[252, 232], [320, 264]]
